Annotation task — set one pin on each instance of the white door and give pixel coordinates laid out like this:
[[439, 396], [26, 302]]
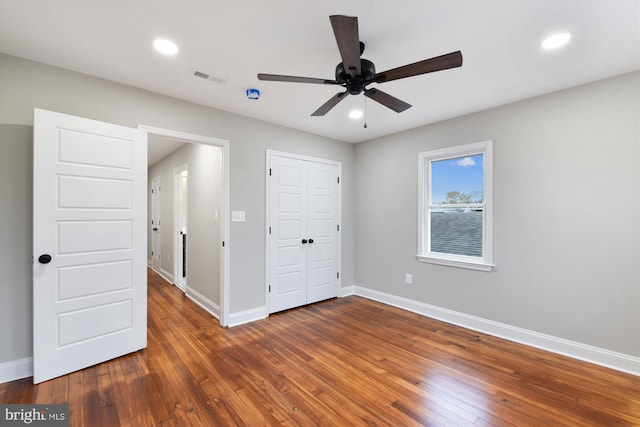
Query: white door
[[180, 176], [89, 242], [304, 237], [156, 243], [288, 219], [322, 229]]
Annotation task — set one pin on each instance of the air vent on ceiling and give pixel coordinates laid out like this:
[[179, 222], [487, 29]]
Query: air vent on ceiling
[[201, 74], [206, 76]]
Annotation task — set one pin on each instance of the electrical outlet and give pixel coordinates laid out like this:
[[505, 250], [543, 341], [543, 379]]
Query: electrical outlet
[[408, 279]]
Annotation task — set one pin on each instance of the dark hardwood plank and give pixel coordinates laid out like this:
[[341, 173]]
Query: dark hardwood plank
[[347, 361], [76, 398]]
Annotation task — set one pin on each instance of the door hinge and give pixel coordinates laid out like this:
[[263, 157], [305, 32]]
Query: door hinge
[[338, 275], [269, 171], [269, 229], [338, 227], [269, 288], [223, 243]]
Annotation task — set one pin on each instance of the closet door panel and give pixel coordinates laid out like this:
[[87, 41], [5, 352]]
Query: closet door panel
[[322, 188], [288, 205]]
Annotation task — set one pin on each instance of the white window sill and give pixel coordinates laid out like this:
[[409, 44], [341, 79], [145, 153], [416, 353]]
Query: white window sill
[[471, 264]]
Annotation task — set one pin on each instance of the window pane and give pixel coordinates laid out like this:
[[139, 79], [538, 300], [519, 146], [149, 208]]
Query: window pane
[[457, 181], [456, 231]]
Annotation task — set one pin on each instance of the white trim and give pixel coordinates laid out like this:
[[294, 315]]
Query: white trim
[[267, 258], [225, 229], [471, 264], [16, 369], [347, 291], [166, 275], [156, 237], [248, 316], [302, 157], [599, 356], [180, 282], [424, 254], [204, 302]]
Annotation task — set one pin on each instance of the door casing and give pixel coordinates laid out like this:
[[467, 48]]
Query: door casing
[[180, 174], [156, 231]]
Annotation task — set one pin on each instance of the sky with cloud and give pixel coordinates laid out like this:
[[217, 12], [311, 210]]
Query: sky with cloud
[[463, 174]]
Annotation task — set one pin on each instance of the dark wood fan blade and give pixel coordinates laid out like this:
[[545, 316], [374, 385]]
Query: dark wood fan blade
[[295, 79], [324, 109], [345, 28], [387, 100], [443, 62]]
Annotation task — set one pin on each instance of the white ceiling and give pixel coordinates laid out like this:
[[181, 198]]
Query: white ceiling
[[235, 40]]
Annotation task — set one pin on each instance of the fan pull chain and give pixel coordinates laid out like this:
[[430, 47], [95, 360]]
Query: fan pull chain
[[365, 112]]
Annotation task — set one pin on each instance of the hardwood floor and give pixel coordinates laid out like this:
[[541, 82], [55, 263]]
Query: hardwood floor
[[346, 361]]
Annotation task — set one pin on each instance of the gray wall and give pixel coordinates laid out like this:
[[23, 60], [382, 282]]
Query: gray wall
[[203, 233], [16, 207], [566, 223], [25, 85]]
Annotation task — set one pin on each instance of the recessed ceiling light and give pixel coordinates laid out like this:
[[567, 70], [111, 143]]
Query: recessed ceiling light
[[556, 41], [165, 47], [355, 114]]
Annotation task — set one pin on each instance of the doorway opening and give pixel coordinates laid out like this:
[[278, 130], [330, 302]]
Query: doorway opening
[[196, 226]]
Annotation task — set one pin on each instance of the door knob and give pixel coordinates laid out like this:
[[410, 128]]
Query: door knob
[[155, 229], [44, 259], [304, 241], [310, 240]]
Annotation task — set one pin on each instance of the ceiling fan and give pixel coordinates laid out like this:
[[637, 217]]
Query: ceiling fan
[[355, 73]]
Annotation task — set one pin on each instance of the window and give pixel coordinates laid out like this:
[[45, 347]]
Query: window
[[455, 206]]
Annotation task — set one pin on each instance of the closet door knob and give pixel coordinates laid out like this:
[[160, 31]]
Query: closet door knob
[[310, 240], [304, 241]]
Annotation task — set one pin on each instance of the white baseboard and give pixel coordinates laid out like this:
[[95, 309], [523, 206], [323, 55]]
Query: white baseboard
[[204, 302], [166, 275], [16, 369], [345, 291], [247, 316], [260, 313], [599, 356]]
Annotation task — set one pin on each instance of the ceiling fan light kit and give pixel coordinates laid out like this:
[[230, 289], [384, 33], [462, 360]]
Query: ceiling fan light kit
[[354, 73]]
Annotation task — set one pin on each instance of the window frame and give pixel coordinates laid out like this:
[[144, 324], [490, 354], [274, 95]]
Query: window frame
[[484, 262]]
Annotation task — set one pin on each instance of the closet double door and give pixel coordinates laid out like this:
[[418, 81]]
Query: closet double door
[[303, 230]]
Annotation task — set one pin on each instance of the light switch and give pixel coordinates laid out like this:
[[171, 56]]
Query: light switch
[[237, 216]]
